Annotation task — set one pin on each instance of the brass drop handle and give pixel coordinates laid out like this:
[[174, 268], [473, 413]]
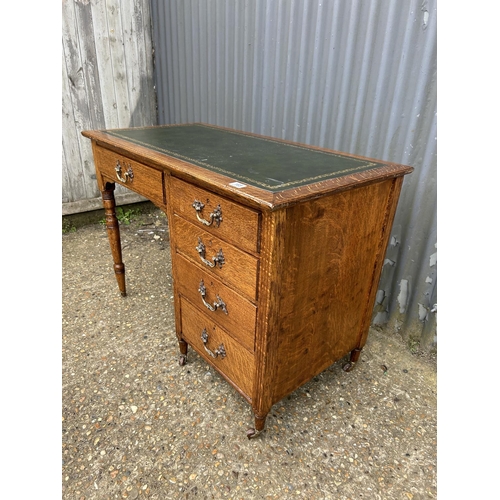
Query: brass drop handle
[[129, 174], [217, 259], [215, 216], [220, 351], [219, 304]]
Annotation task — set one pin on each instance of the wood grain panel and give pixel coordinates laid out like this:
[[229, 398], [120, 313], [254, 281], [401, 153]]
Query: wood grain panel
[[146, 181], [240, 225], [379, 263], [332, 245], [176, 278], [238, 364], [268, 314], [241, 313], [77, 113], [239, 270]]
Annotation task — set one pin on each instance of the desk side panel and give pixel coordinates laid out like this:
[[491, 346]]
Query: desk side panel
[[332, 252]]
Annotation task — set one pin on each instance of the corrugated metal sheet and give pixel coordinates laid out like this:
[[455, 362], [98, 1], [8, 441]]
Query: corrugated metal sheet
[[107, 82], [357, 76]]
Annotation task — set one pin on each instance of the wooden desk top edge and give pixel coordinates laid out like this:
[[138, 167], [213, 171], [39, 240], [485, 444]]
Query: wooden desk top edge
[[250, 195]]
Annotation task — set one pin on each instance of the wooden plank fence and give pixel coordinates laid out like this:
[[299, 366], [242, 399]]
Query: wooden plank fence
[[107, 82]]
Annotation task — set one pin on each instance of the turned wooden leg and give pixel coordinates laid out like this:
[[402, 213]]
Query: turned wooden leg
[[183, 347], [352, 360], [260, 422], [108, 201]]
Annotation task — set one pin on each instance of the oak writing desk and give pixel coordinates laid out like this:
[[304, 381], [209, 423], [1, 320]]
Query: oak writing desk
[[277, 247]]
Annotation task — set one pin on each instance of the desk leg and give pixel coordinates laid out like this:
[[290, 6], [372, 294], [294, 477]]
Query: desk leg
[[260, 423], [183, 347], [108, 201], [353, 360]]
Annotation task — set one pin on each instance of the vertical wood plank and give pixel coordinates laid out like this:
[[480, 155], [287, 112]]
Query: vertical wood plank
[[85, 25], [105, 64], [73, 182], [118, 63], [146, 47], [77, 93], [133, 74]]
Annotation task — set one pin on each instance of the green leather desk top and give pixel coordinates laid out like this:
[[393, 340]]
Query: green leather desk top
[[261, 162]]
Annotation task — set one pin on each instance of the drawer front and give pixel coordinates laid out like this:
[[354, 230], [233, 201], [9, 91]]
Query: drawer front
[[234, 313], [230, 358], [221, 259], [223, 218], [135, 176]]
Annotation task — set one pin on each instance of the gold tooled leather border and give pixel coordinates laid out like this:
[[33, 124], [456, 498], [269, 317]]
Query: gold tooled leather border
[[274, 187]]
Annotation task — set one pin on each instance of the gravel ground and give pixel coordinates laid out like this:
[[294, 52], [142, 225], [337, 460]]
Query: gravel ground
[[137, 425]]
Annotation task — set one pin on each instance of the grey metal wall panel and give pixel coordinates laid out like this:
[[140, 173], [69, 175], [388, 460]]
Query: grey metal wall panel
[[357, 76], [107, 71]]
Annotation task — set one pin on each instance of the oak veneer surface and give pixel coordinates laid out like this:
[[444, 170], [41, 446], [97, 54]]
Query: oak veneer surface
[[146, 180], [240, 224], [303, 231], [241, 313], [237, 366], [332, 246], [239, 270]]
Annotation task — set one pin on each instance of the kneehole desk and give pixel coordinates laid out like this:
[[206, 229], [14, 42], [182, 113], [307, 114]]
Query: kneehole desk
[[277, 247]]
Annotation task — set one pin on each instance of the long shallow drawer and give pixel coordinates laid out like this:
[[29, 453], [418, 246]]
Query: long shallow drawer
[[135, 176], [217, 347], [237, 315], [221, 259], [223, 218]]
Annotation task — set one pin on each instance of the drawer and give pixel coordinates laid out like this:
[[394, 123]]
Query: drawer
[[235, 268], [235, 314], [137, 177], [232, 360], [223, 218]]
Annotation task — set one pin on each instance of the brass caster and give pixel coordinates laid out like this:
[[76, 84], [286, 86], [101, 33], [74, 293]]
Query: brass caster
[[182, 359], [252, 433], [348, 366]]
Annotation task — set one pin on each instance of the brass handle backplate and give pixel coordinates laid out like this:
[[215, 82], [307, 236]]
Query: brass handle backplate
[[215, 216], [219, 304], [220, 351], [217, 259], [129, 173]]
